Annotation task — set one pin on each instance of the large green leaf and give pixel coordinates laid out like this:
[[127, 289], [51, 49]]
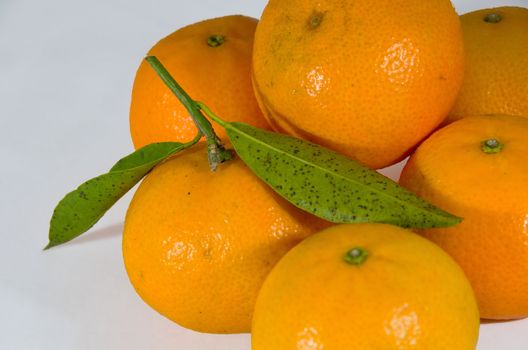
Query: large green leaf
[[329, 184]]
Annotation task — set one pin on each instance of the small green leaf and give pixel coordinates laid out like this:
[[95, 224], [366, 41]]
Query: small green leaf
[[82, 208], [328, 184]]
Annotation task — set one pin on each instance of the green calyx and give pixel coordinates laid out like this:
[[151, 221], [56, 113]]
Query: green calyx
[[356, 256], [215, 40], [492, 18], [491, 146]]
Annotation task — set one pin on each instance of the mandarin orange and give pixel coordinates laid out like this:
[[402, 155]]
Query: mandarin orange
[[197, 245], [366, 286], [211, 60], [476, 168], [496, 46], [369, 79]]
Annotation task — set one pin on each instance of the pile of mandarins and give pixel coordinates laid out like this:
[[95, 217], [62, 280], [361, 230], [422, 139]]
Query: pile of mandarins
[[377, 81]]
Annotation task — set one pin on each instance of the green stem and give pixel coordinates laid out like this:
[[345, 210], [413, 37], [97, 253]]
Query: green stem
[[215, 149], [211, 115], [193, 141]]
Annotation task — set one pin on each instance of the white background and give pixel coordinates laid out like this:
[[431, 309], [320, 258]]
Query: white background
[[66, 71]]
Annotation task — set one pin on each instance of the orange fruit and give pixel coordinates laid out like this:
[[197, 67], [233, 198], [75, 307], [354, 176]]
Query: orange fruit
[[367, 79], [365, 286], [211, 61], [496, 63], [197, 245], [476, 168]]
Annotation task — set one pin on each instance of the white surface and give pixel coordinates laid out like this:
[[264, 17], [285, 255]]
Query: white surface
[[66, 69]]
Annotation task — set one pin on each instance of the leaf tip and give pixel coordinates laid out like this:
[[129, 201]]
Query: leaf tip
[[51, 244], [455, 220], [449, 220]]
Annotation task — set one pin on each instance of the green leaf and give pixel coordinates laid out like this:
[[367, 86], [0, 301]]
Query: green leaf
[[328, 184], [82, 208]]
